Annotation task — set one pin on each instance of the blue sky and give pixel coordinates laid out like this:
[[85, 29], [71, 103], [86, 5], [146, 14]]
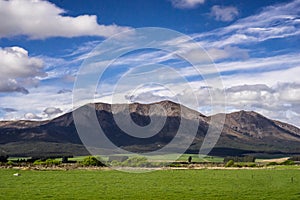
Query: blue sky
[[253, 44]]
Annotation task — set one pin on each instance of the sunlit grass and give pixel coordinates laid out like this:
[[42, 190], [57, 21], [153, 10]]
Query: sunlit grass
[[163, 184]]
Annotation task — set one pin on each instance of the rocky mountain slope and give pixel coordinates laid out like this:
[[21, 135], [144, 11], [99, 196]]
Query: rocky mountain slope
[[243, 132]]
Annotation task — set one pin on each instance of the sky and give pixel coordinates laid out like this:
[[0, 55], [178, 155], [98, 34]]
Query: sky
[[249, 52]]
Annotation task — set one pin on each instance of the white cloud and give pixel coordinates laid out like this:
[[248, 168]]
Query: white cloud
[[37, 102], [214, 54], [18, 70], [269, 78], [227, 52], [41, 19], [32, 116], [290, 92], [268, 85], [186, 4], [281, 101], [224, 13], [52, 111], [256, 87], [255, 70], [276, 21]]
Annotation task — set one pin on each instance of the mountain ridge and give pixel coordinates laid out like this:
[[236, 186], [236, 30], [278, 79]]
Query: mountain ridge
[[248, 131]]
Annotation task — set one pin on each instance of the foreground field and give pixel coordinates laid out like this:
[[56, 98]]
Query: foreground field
[[163, 184]]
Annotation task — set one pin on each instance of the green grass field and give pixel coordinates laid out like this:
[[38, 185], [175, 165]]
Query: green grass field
[[163, 184]]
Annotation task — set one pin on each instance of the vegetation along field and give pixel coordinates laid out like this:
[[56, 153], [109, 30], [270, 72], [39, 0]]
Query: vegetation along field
[[162, 184]]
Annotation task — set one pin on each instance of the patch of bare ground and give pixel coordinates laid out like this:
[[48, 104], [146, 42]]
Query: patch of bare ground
[[278, 160]]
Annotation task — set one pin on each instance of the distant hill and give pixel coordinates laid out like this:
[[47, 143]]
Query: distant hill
[[243, 132]]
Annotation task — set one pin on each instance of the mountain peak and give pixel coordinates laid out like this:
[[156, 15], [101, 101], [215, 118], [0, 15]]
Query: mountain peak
[[243, 130]]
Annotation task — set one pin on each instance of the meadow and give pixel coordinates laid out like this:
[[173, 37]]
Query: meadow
[[279, 183]]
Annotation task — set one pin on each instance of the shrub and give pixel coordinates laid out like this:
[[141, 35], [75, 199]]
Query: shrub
[[239, 159], [242, 164], [52, 162], [288, 162], [230, 163], [272, 164], [38, 162], [251, 165], [239, 165], [91, 161], [10, 162], [176, 165]]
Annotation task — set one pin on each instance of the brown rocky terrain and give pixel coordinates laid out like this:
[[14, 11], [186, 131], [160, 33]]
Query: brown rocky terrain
[[243, 132]]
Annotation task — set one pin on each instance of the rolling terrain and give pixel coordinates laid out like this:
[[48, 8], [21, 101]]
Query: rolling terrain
[[243, 132]]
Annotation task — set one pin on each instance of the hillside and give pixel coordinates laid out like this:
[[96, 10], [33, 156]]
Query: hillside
[[243, 132]]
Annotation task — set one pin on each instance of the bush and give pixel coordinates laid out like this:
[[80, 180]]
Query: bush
[[175, 164], [10, 162], [48, 162], [91, 161], [242, 164], [239, 165], [239, 159], [251, 165], [38, 162], [288, 162], [230, 163], [272, 164], [52, 162]]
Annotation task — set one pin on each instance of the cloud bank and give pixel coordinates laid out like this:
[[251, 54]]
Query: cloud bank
[[18, 70], [39, 19], [52, 111]]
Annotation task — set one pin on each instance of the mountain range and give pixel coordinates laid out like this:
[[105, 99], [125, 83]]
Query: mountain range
[[244, 132]]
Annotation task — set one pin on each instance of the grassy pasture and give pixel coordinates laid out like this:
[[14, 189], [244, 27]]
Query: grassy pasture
[[162, 184]]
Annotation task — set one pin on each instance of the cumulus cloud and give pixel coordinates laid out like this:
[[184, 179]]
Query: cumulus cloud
[[32, 116], [52, 111], [150, 96], [224, 13], [39, 19], [290, 92], [280, 101], [62, 91], [18, 70], [186, 4], [37, 101], [256, 87]]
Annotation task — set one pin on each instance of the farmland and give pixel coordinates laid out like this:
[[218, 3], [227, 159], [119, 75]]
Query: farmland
[[278, 183]]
